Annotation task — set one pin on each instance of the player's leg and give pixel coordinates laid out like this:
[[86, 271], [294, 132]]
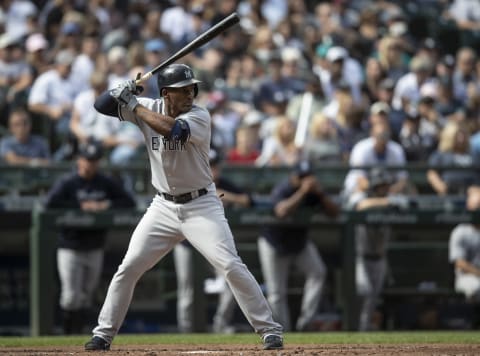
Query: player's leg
[[275, 270], [153, 238], [93, 262], [92, 265], [183, 260], [205, 226], [364, 291], [70, 273], [311, 264]]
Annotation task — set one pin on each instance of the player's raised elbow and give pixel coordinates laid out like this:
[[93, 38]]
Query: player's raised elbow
[[106, 104]]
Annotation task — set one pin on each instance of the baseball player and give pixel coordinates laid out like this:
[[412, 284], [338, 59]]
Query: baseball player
[[464, 251], [177, 136], [372, 240], [80, 251], [281, 247]]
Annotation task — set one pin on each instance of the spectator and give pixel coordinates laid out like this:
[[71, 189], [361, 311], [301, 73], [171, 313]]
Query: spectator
[[21, 147], [445, 102], [280, 149], [117, 66], [409, 86], [352, 131], [86, 123], [85, 62], [385, 95], [464, 251], [392, 58], [340, 69], [51, 98], [225, 121], [246, 146], [20, 17], [80, 251], [378, 149], [431, 123], [322, 144], [464, 74], [417, 145], [374, 75], [372, 242], [339, 105], [282, 247], [274, 89], [235, 86], [231, 196], [177, 22], [155, 51], [466, 15], [37, 53], [15, 74], [450, 164], [306, 104]]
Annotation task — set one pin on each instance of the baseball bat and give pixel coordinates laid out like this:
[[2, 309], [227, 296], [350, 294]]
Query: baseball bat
[[205, 37]]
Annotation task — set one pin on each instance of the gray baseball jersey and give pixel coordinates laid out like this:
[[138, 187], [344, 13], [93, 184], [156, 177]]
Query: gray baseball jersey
[[177, 168]]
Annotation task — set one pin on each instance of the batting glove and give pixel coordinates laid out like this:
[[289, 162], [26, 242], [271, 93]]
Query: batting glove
[[124, 94]]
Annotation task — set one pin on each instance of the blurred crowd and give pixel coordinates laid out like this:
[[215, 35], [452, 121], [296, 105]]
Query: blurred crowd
[[296, 79]]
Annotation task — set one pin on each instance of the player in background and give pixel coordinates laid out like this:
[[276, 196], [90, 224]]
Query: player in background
[[177, 136], [80, 251], [281, 247], [464, 251], [372, 241]]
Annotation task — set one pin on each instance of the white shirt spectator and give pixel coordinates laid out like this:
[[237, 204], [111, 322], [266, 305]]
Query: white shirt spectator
[[93, 124], [352, 73], [17, 17], [408, 87], [52, 90], [465, 10], [176, 22], [363, 154], [82, 69]]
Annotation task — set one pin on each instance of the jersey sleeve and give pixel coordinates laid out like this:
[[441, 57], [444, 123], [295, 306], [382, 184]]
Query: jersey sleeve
[[199, 121]]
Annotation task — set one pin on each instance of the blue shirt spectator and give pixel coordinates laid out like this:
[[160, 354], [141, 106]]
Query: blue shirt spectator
[[21, 147]]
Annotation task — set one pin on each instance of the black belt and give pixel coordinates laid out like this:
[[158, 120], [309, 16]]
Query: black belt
[[184, 198]]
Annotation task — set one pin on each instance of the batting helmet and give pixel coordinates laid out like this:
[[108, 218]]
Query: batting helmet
[[176, 76]]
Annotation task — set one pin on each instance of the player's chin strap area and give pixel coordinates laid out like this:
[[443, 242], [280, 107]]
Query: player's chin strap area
[[184, 198]]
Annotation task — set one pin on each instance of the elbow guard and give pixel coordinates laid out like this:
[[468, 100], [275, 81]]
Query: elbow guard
[[180, 131], [106, 104]]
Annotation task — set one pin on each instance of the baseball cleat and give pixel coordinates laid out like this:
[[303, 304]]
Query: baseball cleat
[[272, 342], [97, 344]]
